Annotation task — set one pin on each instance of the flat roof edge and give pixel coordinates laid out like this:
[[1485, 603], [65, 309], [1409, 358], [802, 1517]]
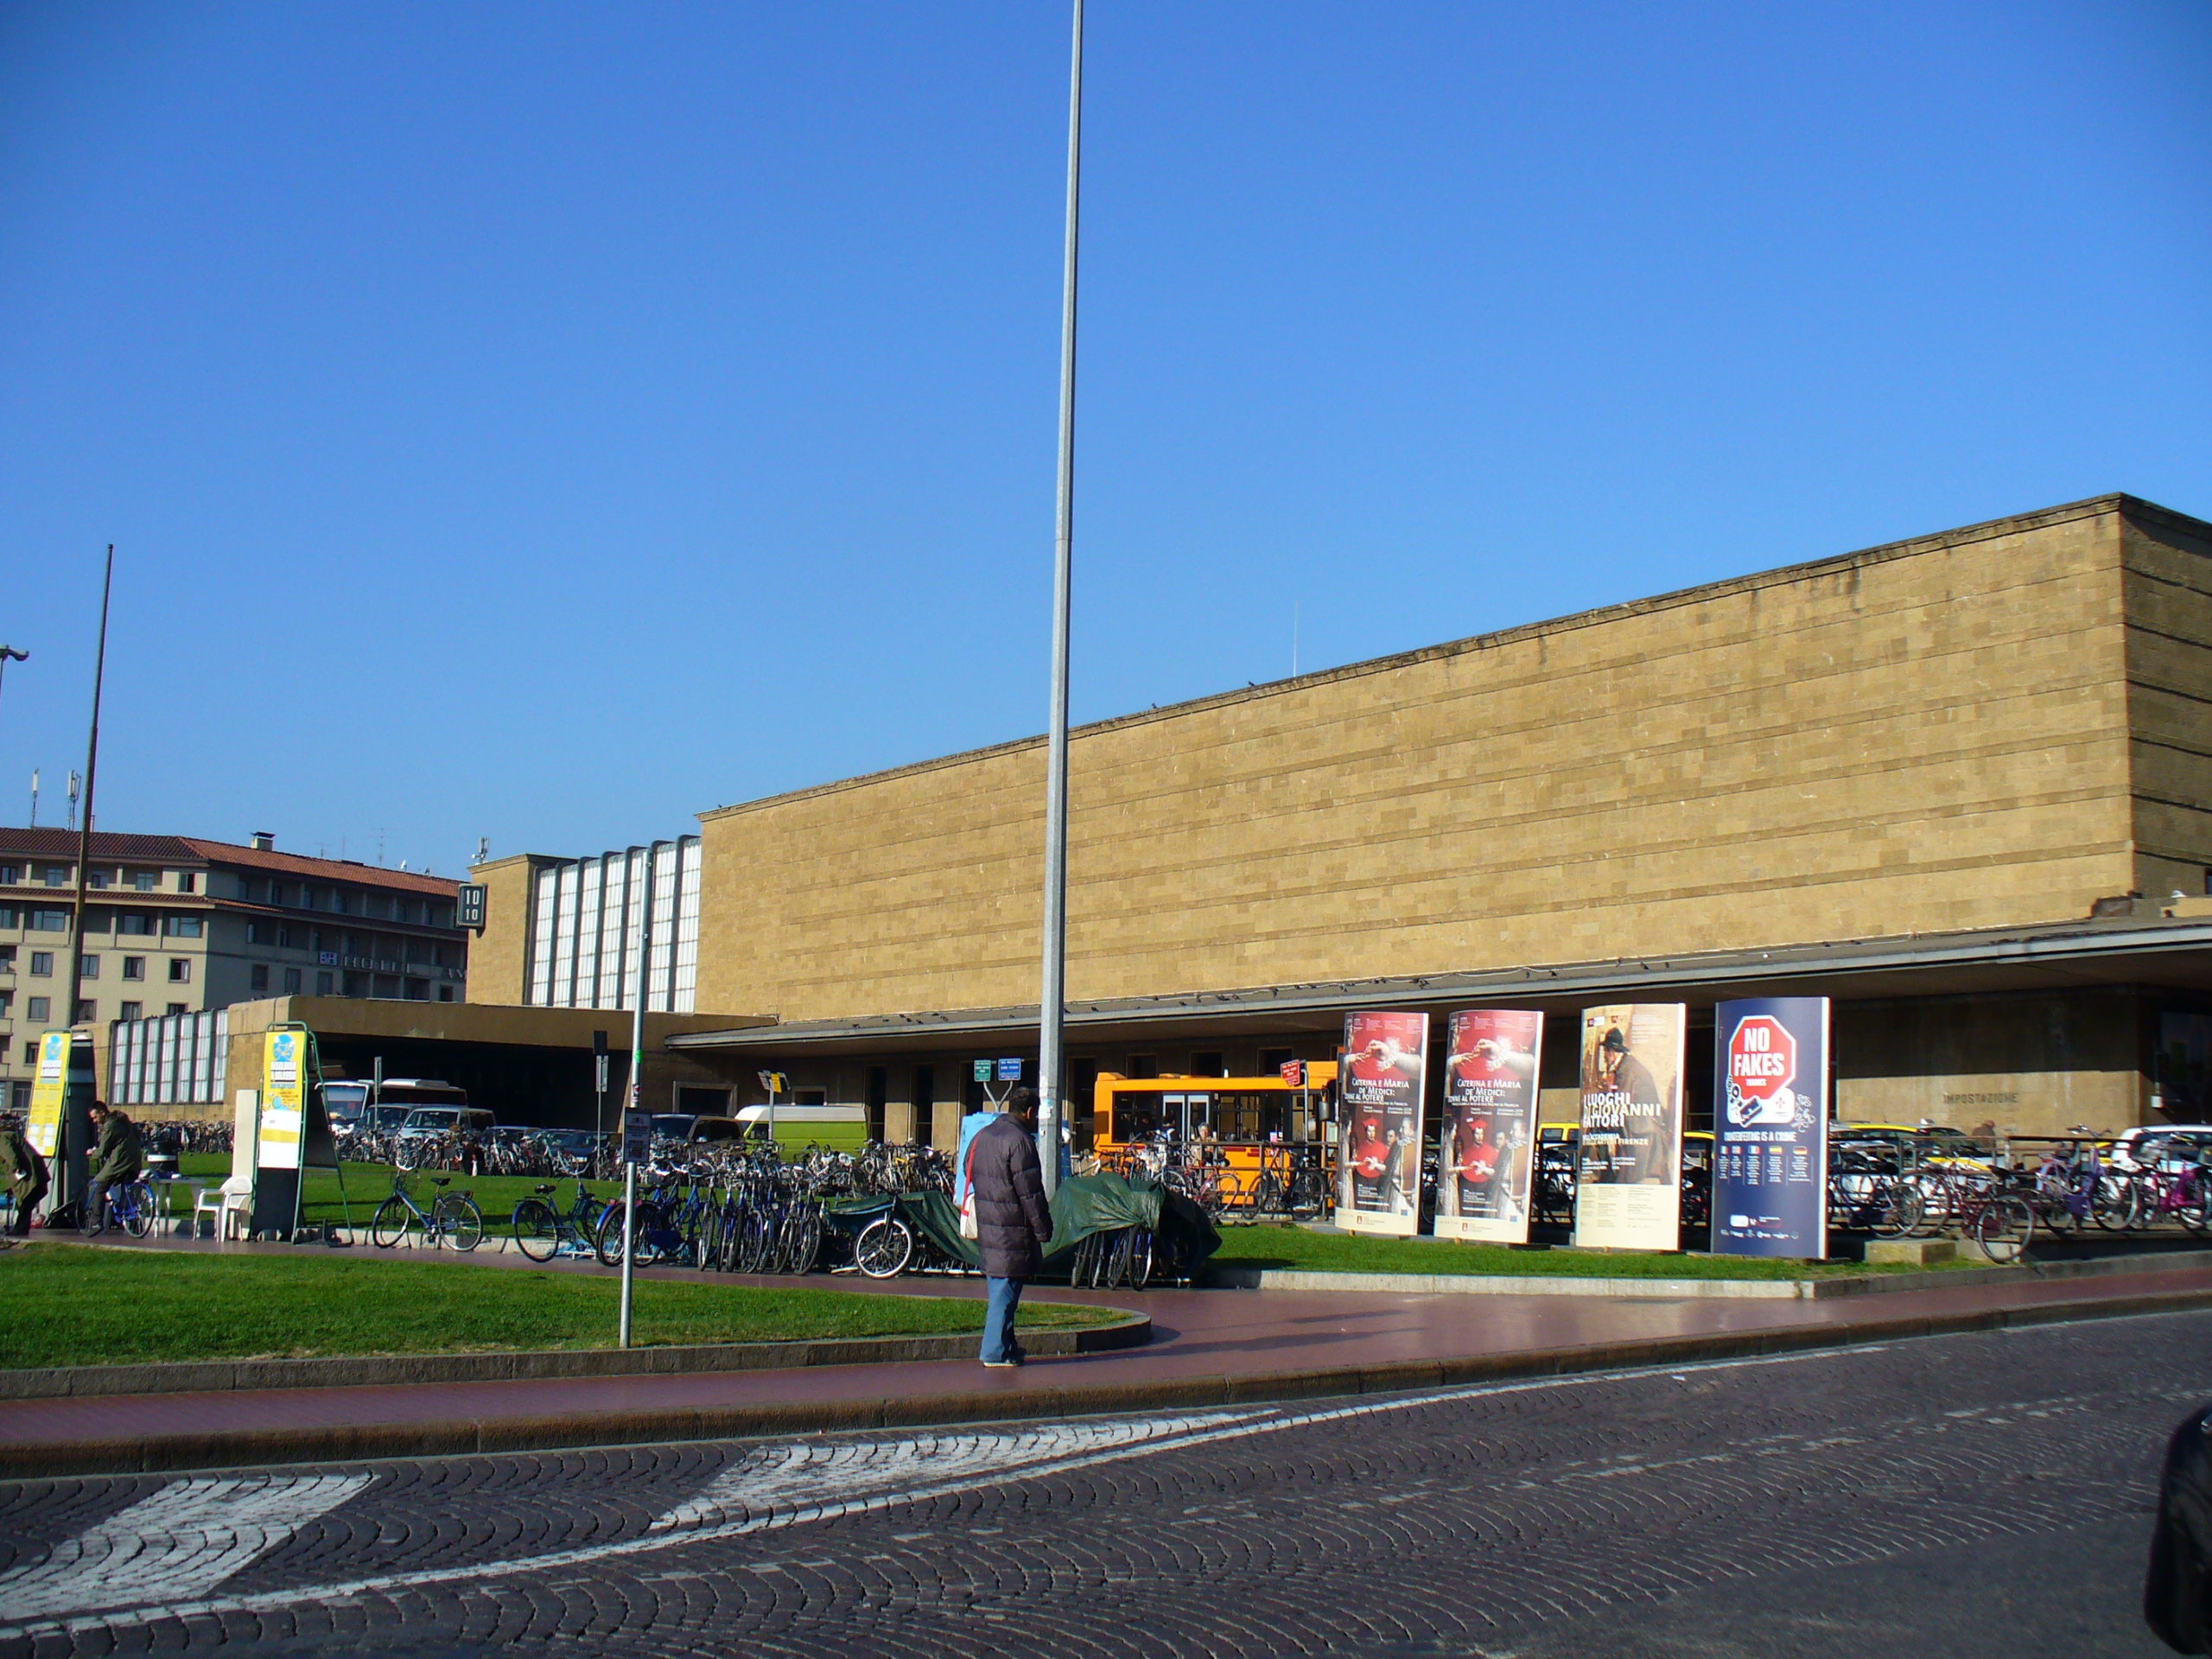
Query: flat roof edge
[[2092, 508]]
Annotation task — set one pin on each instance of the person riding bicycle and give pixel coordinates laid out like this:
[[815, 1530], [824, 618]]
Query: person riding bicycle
[[118, 1158], [26, 1176]]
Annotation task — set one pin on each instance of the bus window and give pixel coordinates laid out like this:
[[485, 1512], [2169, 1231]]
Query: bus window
[[1136, 1116]]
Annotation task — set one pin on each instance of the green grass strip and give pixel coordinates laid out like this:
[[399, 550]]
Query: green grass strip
[[1283, 1246], [81, 1305]]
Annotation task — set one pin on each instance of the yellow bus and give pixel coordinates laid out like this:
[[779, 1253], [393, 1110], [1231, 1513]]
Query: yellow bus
[[1257, 1143]]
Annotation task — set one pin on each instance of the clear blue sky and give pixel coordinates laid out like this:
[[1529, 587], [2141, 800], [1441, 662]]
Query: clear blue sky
[[546, 421]]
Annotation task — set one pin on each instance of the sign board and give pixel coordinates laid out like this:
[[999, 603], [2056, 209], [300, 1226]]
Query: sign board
[[1628, 1178], [468, 907], [1383, 1079], [1770, 1123], [598, 1073], [49, 1087], [1293, 1073], [283, 1063], [637, 1137], [774, 1082], [1486, 1149], [1009, 1070], [983, 1070]]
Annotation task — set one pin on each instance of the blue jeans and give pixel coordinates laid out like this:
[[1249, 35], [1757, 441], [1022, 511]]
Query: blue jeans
[[998, 1320]]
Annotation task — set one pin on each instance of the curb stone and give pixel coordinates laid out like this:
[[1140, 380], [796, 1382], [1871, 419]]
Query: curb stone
[[379, 1371], [571, 1431]]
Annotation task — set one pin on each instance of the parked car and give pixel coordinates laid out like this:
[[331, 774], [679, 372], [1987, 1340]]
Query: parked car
[[2151, 1144]]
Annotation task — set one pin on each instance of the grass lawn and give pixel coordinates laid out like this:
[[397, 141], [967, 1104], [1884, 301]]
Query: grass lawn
[[82, 1305], [1273, 1246], [369, 1185]]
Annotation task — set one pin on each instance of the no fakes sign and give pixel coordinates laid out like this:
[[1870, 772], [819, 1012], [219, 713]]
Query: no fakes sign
[[1770, 1121]]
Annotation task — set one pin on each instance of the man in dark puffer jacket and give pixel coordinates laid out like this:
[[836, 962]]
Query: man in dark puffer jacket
[[2177, 1598], [1013, 1222]]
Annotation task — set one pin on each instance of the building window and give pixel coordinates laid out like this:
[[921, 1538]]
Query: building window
[[1208, 1065], [89, 967], [1143, 1066], [283, 936], [178, 1007], [134, 921], [30, 1053], [253, 932], [9, 874], [258, 978], [322, 984], [337, 900], [179, 970], [180, 927], [249, 889], [145, 880], [37, 1009], [445, 993], [7, 955], [279, 894], [7, 1003], [42, 964], [49, 921], [186, 881], [87, 1012], [291, 981], [130, 1010], [134, 966], [54, 875], [97, 879]]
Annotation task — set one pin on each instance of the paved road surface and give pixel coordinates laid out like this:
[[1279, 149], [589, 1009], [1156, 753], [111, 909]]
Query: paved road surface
[[1971, 1495]]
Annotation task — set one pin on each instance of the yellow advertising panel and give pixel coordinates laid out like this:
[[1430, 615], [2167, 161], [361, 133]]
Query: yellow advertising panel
[[44, 1130], [283, 1066]]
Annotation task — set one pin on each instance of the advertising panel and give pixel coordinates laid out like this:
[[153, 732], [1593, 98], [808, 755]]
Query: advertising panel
[[49, 1088], [1771, 1126], [1486, 1150], [1378, 1148], [1628, 1193], [282, 1098]]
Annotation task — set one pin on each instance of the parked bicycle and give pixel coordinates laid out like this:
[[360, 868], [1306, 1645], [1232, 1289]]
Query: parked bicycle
[[453, 1217]]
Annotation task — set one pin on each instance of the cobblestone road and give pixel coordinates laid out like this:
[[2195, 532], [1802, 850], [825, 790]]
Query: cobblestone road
[[1976, 1495]]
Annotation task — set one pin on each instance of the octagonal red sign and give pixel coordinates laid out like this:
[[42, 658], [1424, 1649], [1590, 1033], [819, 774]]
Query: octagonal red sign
[[1762, 1057]]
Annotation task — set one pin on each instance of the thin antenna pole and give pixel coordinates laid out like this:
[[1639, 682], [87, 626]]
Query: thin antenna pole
[[1293, 639], [84, 824], [1053, 1001]]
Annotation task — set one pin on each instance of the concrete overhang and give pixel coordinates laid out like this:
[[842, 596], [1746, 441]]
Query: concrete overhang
[[2171, 955]]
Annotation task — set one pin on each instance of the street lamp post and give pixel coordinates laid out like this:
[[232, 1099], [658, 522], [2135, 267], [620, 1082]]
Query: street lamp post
[[1052, 1063]]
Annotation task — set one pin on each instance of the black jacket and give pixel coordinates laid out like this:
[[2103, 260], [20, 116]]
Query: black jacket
[[2178, 1596], [1013, 1222]]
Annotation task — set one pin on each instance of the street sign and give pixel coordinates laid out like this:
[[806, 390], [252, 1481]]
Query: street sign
[[1010, 1070], [599, 1083], [469, 907], [983, 1070], [1293, 1073], [637, 1137], [774, 1082]]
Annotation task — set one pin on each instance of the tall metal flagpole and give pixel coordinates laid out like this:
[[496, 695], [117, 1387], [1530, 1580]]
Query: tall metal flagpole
[[1052, 1063], [71, 1164]]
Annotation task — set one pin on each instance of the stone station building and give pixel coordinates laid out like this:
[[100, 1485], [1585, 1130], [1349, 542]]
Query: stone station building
[[1961, 784]]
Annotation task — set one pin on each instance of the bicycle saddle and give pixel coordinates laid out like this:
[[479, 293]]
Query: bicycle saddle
[[440, 1180], [543, 1186]]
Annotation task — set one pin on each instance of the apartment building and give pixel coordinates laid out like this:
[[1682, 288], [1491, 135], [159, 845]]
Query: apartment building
[[175, 925]]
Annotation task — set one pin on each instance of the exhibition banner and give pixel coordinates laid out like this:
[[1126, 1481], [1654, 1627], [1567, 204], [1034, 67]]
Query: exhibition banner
[[1628, 1193], [1487, 1147], [1770, 1127], [49, 1087], [283, 1097], [1380, 1090]]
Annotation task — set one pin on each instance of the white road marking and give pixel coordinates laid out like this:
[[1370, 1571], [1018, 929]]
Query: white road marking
[[1112, 1440], [179, 1543]]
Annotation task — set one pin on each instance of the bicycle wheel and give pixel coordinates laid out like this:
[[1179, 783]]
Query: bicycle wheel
[[1117, 1259], [1141, 1250], [538, 1229], [138, 1211], [1270, 1197], [391, 1223], [2112, 1206], [609, 1242], [884, 1248], [802, 1241], [1897, 1210], [459, 1220], [2002, 1228]]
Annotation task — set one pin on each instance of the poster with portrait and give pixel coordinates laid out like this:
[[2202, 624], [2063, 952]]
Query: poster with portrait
[[1770, 1123], [1628, 1194], [1486, 1147], [1380, 1086]]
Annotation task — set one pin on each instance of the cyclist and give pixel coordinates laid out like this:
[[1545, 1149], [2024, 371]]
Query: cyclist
[[26, 1176], [118, 1158]]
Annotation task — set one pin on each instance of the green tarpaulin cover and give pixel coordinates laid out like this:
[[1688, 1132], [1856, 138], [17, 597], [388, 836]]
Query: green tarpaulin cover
[[1085, 1204]]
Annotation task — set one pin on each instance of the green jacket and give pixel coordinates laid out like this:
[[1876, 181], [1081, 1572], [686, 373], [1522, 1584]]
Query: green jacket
[[20, 1164], [119, 1157]]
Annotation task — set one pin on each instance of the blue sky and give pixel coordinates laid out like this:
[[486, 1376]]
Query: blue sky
[[546, 421]]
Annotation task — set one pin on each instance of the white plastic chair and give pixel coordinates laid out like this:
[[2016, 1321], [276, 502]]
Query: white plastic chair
[[234, 1199]]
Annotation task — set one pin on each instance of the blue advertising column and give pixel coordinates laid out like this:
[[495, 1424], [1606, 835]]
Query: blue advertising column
[[1770, 1127]]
